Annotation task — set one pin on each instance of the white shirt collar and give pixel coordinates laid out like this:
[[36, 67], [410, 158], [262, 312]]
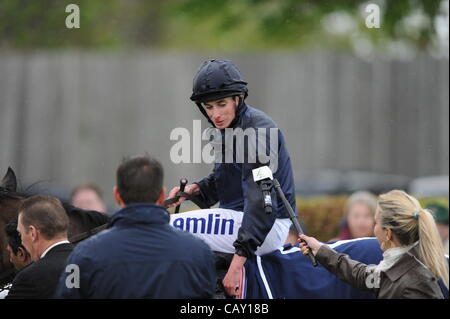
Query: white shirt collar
[[55, 244]]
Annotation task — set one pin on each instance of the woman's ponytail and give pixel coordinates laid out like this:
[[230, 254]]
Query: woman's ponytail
[[430, 245]]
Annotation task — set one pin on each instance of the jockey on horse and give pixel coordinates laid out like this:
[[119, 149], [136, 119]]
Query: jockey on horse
[[220, 92]]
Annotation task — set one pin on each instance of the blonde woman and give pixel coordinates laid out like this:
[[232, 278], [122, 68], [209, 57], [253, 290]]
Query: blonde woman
[[413, 258]]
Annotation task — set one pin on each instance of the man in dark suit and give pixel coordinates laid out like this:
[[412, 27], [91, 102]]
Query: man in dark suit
[[43, 225]]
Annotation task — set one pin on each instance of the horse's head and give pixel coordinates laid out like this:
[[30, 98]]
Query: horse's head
[[9, 181], [9, 205], [9, 197], [81, 221]]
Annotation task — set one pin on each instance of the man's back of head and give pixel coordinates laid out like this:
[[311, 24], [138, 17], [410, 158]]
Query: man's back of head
[[42, 220], [139, 180]]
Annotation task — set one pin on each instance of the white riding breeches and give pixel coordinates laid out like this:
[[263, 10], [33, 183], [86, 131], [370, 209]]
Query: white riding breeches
[[219, 228]]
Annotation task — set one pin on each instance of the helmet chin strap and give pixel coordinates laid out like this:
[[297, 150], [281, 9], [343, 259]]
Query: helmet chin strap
[[239, 105]]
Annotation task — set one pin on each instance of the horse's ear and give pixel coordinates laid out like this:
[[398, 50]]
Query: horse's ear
[[9, 181]]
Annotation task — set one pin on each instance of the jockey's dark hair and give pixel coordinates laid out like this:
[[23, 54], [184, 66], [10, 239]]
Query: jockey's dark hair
[[140, 179], [46, 213], [13, 237]]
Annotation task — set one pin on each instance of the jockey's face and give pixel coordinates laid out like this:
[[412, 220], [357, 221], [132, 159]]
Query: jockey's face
[[221, 112]]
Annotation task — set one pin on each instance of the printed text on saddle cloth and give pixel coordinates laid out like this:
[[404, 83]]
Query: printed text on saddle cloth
[[219, 228]]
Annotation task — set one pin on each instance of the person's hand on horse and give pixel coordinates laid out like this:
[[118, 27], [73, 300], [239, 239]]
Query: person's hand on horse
[[312, 244], [189, 189]]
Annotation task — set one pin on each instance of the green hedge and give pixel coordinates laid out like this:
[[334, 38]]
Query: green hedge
[[322, 215]]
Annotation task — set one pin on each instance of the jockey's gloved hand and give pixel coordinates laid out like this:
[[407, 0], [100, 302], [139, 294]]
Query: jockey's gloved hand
[[189, 189]]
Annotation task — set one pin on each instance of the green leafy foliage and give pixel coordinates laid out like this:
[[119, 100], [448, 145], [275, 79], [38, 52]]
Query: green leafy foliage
[[104, 24], [249, 24], [229, 25]]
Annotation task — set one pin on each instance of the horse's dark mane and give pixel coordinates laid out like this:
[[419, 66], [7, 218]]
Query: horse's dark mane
[[23, 193], [17, 195], [7, 194]]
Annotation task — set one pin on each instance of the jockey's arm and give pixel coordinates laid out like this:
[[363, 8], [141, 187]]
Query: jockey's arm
[[256, 224], [207, 190], [231, 282]]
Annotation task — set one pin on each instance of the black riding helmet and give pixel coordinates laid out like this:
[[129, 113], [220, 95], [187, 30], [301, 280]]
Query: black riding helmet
[[217, 79]]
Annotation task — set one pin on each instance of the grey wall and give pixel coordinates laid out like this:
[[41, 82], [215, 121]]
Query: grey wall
[[71, 116]]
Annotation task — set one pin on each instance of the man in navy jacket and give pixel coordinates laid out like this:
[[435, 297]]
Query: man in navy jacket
[[140, 255]]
